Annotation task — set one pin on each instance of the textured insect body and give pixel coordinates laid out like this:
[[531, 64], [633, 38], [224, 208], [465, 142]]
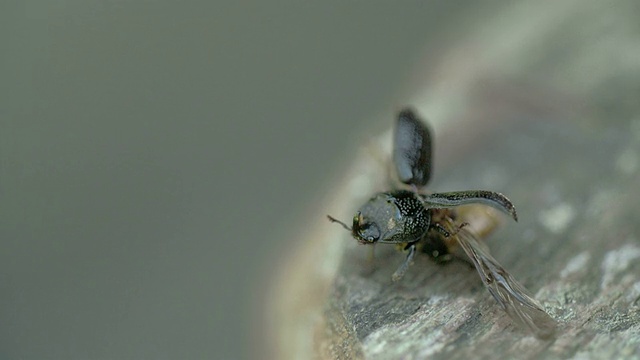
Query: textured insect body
[[414, 220], [391, 217]]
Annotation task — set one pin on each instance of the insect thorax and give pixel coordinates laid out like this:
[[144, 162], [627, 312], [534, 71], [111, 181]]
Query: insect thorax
[[399, 215]]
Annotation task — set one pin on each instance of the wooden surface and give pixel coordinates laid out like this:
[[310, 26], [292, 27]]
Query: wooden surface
[[575, 247], [552, 120]]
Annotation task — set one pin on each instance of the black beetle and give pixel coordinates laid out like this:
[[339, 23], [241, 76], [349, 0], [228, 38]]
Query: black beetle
[[412, 219]]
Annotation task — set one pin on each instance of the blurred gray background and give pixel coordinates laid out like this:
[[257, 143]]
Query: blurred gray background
[[154, 156]]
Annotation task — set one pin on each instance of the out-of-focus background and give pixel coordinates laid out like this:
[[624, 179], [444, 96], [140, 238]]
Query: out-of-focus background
[[155, 155], [158, 158]]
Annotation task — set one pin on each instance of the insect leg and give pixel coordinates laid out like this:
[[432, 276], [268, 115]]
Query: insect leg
[[448, 229], [405, 265]]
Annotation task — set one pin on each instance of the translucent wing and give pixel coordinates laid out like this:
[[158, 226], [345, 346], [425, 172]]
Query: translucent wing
[[514, 299]]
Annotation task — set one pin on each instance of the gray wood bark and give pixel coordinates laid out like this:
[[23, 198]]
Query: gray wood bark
[[576, 247], [553, 122]]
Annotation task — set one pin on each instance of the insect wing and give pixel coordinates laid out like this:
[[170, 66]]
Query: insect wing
[[412, 149], [514, 299], [457, 198]]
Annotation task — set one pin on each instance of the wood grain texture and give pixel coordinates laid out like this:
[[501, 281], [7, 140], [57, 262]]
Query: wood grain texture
[[550, 117], [576, 248]]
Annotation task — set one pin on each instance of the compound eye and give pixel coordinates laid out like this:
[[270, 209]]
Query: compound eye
[[370, 232], [365, 230]]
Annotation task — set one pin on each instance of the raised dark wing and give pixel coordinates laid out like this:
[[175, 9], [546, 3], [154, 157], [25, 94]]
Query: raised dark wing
[[412, 149], [514, 299]]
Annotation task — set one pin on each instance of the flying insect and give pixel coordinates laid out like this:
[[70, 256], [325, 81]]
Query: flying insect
[[413, 220]]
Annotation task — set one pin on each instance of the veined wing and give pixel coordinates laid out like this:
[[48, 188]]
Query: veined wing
[[514, 299]]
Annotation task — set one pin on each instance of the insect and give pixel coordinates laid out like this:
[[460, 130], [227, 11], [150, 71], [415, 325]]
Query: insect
[[416, 220]]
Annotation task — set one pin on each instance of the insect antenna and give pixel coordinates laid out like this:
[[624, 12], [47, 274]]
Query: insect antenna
[[334, 220]]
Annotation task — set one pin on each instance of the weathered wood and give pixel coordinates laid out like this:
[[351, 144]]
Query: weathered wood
[[576, 248], [567, 153]]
